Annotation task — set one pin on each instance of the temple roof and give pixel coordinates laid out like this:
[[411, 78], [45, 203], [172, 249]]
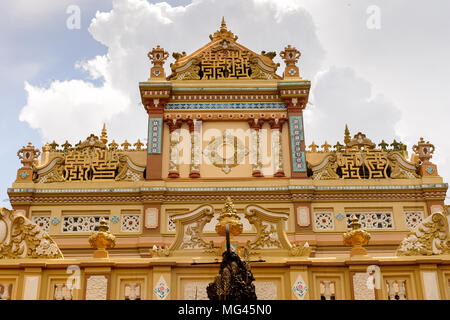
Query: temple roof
[[223, 58]]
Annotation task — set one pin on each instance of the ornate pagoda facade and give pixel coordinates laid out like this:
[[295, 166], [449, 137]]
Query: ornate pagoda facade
[[224, 124]]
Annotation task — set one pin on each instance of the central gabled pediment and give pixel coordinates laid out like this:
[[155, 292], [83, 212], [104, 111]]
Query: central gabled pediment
[[224, 59]]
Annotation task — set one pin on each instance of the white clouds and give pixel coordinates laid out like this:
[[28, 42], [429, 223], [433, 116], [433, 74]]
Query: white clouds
[[342, 97], [405, 60], [134, 27], [70, 109]]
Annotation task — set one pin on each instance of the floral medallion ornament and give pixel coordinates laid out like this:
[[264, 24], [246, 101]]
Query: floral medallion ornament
[[115, 219], [55, 221], [219, 148], [24, 174], [300, 288], [161, 289], [340, 216]]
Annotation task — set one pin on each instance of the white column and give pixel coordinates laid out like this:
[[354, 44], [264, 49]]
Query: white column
[[195, 130]]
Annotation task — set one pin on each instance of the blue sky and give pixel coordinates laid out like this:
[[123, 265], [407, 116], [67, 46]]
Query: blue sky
[[389, 82]]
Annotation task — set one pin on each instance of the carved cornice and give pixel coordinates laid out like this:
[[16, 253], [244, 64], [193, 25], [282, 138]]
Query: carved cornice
[[171, 195]]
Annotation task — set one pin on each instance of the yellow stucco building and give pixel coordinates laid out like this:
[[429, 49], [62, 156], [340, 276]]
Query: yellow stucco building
[[225, 124]]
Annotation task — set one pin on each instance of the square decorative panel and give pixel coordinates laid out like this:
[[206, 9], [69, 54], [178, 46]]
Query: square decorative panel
[[130, 223], [323, 221], [413, 219], [43, 222]]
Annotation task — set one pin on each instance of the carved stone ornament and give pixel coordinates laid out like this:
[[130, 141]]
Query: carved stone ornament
[[271, 232], [21, 238], [223, 58], [28, 155], [431, 237], [189, 231], [90, 160], [359, 160], [215, 150]]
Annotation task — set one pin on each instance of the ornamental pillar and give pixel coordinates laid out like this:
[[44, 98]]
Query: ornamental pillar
[[255, 146], [297, 145], [195, 128], [155, 110], [174, 147], [27, 155], [276, 125]]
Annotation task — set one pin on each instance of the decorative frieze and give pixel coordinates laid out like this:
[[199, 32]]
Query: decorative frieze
[[372, 220], [82, 223], [298, 155], [154, 135]]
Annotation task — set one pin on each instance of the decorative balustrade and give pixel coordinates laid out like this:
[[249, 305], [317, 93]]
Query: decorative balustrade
[[327, 290], [132, 291], [62, 292], [396, 289]]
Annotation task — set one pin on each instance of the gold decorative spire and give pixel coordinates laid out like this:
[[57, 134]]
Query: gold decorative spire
[[229, 217], [223, 33], [104, 136], [356, 238], [102, 240], [313, 147], [347, 137], [223, 26]]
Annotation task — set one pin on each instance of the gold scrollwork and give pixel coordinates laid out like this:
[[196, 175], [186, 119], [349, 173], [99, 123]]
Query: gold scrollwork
[[21, 238]]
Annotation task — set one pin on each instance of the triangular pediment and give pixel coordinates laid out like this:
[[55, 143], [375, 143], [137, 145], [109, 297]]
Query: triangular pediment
[[224, 59]]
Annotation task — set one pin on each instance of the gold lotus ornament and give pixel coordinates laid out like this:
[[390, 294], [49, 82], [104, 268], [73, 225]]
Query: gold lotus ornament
[[357, 238], [229, 217], [102, 240]]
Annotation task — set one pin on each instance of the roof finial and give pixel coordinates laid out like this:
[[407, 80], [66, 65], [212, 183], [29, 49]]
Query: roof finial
[[104, 136], [347, 137], [223, 26]]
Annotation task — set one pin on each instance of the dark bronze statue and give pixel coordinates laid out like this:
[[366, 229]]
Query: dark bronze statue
[[234, 281]]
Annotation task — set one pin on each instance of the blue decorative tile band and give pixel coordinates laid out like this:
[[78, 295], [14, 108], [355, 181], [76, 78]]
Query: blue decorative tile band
[[225, 106], [154, 135], [298, 156]]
